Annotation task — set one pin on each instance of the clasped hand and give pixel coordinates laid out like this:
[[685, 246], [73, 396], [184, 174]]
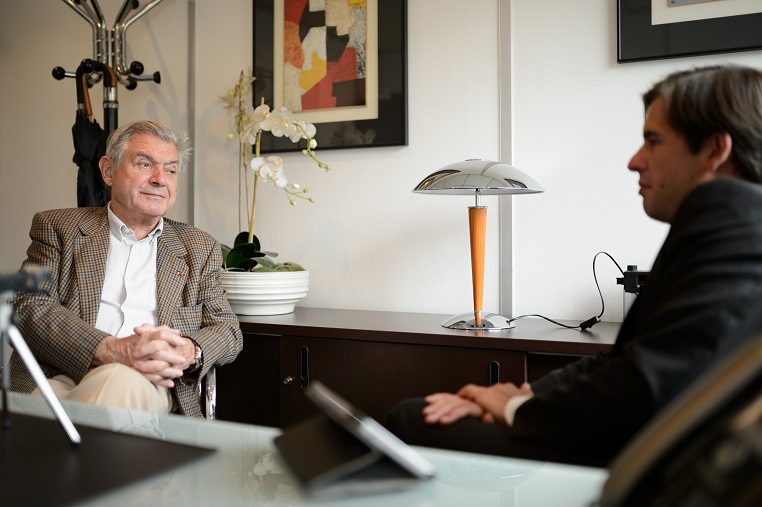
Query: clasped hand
[[158, 352], [485, 403]]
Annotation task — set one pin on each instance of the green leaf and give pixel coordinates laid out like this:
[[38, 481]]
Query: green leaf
[[225, 251], [242, 252], [264, 262], [243, 239], [268, 265], [249, 264]]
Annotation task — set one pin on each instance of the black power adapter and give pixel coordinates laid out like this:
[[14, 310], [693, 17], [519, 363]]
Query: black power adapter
[[632, 279]]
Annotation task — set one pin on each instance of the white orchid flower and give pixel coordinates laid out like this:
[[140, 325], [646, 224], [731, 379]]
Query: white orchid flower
[[249, 124], [248, 136], [280, 122], [270, 169], [229, 100], [261, 113], [309, 129]]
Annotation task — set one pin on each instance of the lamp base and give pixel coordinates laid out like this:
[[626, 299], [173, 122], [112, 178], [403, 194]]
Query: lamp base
[[490, 322]]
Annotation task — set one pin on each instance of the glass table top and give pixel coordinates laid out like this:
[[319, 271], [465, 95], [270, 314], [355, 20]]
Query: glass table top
[[246, 469]]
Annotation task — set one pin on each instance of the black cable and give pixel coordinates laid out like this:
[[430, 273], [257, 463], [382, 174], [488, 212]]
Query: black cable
[[542, 317], [592, 320]]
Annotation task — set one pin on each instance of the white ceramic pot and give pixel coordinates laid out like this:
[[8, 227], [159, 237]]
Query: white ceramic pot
[[265, 293]]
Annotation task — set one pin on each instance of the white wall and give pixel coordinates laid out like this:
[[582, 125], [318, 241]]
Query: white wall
[[368, 241], [577, 121]]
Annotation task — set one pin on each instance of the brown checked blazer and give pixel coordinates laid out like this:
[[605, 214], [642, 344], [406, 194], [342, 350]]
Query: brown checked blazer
[[59, 324]]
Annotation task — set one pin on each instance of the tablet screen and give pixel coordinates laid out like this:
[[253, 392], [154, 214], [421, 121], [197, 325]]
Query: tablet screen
[[369, 430]]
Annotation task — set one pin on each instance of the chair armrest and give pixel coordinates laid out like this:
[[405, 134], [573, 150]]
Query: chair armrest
[[209, 393]]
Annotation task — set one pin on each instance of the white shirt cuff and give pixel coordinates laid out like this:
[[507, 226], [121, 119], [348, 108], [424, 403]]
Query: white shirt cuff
[[513, 405]]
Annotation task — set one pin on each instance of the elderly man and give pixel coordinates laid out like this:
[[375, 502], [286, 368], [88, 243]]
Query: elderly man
[[132, 314], [700, 167]]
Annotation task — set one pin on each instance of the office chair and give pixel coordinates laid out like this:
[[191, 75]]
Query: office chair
[[207, 391], [705, 448]]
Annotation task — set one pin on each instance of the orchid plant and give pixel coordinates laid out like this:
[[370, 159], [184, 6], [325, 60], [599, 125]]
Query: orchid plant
[[249, 124]]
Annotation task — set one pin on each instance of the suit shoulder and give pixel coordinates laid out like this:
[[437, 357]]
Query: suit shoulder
[[730, 187], [729, 193], [69, 217], [188, 233], [69, 213]]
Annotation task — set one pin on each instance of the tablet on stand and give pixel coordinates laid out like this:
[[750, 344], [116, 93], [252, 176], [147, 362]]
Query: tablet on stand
[[345, 452]]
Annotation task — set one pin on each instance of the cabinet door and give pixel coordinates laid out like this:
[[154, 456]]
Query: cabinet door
[[374, 376], [541, 364], [248, 389]]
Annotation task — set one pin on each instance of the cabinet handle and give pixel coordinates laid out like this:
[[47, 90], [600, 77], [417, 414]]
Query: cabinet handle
[[305, 370], [288, 381], [494, 373]]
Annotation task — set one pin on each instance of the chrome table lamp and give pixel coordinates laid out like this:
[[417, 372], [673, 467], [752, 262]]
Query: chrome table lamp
[[478, 177]]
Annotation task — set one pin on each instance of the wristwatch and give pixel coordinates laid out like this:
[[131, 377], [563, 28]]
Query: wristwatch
[[199, 360]]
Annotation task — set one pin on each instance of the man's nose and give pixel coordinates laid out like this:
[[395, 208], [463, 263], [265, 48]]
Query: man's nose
[[636, 162], [158, 177]]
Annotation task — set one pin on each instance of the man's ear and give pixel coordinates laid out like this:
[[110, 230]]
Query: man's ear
[[106, 167], [719, 150]]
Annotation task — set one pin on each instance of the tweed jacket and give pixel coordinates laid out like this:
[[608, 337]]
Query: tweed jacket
[[701, 300], [59, 324]]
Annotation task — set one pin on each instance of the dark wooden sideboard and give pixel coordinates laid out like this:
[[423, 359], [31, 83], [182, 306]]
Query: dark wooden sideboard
[[375, 359]]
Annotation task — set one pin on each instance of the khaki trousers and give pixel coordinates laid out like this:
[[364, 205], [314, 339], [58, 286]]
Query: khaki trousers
[[114, 385]]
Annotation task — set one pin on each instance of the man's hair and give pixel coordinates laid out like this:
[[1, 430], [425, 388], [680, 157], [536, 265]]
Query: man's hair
[[717, 99], [119, 139]]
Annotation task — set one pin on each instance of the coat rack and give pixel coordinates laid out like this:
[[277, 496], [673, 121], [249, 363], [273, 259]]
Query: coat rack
[[108, 64], [109, 54]]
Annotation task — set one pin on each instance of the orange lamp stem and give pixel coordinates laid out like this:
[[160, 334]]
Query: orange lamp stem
[[477, 223]]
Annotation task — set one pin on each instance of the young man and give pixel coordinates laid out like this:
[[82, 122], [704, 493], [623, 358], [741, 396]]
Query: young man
[[133, 313], [700, 167]]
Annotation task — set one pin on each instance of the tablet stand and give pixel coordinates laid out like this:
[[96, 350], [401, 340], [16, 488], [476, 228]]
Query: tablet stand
[[10, 334]]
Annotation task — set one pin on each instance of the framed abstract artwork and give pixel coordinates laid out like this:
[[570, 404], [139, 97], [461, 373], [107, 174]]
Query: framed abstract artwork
[[342, 67], [656, 29]]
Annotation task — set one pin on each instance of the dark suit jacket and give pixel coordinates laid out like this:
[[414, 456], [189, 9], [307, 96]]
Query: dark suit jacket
[[59, 324], [701, 299]]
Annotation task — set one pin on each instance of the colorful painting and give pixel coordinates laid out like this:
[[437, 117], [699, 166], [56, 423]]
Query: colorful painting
[[341, 64], [324, 54], [326, 59]]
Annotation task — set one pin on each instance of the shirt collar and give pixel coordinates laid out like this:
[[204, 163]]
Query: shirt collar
[[125, 235]]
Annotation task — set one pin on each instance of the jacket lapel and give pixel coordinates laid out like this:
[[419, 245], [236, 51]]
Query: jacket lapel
[[171, 273], [90, 261]]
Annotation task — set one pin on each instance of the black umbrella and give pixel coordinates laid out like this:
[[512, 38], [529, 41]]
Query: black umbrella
[[89, 146], [110, 104]]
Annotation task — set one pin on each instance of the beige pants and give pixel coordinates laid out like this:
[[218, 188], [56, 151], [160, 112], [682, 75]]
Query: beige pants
[[114, 385]]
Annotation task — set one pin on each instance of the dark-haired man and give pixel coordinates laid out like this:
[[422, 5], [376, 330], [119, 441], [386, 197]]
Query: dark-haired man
[[700, 166]]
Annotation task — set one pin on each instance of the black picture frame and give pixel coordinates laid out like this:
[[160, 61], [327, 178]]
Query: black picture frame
[[638, 39], [390, 128]]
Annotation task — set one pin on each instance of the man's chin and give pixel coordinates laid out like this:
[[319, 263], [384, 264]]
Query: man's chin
[[155, 211], [656, 214]]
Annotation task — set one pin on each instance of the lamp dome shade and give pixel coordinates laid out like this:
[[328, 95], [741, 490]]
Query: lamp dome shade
[[486, 177]]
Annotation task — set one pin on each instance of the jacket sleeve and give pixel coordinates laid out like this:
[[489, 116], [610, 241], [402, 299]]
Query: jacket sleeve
[[61, 341], [220, 334], [700, 301], [216, 330], [564, 376]]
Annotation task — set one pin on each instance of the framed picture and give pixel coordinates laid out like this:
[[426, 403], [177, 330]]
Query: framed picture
[[300, 61], [687, 28]]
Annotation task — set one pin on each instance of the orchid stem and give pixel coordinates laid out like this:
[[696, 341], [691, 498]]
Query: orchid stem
[[253, 211]]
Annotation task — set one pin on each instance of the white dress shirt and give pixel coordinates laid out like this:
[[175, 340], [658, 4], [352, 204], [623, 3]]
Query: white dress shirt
[[513, 405], [128, 298]]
